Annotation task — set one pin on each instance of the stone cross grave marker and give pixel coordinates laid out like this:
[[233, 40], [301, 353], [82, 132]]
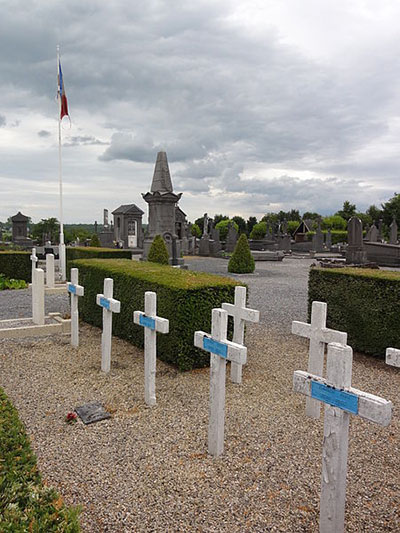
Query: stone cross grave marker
[[38, 316], [50, 277], [319, 336], [393, 357], [75, 291], [151, 323], [240, 314], [221, 350], [341, 400], [110, 306], [34, 260]]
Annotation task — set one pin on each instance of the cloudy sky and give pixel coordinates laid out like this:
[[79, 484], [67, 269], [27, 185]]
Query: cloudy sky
[[261, 105]]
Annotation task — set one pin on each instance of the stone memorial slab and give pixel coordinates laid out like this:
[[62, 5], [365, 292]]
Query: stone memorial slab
[[92, 412]]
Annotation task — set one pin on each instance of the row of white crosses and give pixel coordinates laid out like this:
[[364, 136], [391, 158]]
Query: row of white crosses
[[50, 268], [340, 400]]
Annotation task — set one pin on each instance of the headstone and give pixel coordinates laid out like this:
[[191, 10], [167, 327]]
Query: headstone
[[205, 224], [151, 323], [50, 278], [393, 232], [341, 400], [231, 238], [174, 259], [240, 314], [105, 218], [319, 336], [221, 350], [110, 306], [38, 297], [355, 252], [373, 233], [92, 412], [75, 290], [34, 260], [393, 357], [215, 244], [204, 245], [319, 238], [368, 233]]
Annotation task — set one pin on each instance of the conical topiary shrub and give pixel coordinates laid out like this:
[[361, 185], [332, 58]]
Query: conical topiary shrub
[[158, 252], [242, 261]]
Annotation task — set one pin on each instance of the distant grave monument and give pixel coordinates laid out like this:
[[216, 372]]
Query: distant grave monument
[[106, 236], [128, 226], [355, 253], [20, 229]]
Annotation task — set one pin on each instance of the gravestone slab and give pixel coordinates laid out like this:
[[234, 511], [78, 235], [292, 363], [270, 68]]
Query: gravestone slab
[[92, 412]]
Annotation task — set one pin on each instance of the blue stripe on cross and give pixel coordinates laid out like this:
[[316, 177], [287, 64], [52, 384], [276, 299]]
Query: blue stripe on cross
[[335, 397], [147, 322]]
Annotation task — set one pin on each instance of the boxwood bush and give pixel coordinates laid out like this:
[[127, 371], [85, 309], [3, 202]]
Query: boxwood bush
[[363, 302], [186, 298], [16, 265], [89, 252]]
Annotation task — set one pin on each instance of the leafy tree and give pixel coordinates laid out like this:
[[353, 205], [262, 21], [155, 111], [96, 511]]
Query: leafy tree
[[222, 226], [348, 210], [218, 218], [241, 223], [47, 228], [309, 215], [334, 222], [242, 261], [270, 218], [365, 219], [374, 213], [391, 209], [250, 224], [293, 214], [292, 225], [199, 222], [196, 231], [158, 252], [259, 230], [94, 241]]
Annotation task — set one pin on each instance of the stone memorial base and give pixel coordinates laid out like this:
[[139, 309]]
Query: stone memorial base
[[24, 327]]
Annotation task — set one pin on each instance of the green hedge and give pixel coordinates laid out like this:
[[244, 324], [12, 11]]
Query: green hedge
[[186, 298], [363, 302], [16, 265], [90, 252]]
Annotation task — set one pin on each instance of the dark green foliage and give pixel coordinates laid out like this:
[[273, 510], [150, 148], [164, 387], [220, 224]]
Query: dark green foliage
[[240, 221], [25, 503], [348, 210], [363, 302], [158, 252], [222, 226], [259, 230], [250, 224], [242, 261], [10, 283], [391, 209], [94, 241], [196, 231], [16, 265], [186, 298], [83, 252]]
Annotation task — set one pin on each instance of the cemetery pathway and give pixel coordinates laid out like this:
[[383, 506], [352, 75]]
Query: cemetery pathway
[[18, 304]]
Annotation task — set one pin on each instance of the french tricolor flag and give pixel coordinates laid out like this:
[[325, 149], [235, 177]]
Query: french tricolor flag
[[61, 94]]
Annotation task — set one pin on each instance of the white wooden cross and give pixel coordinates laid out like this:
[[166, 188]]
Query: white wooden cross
[[34, 259], [393, 357], [342, 400], [151, 323], [110, 306], [50, 277], [38, 315], [240, 314], [221, 350], [75, 291], [319, 336]]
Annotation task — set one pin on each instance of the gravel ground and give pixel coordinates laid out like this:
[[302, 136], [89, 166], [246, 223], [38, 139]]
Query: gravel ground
[[18, 304], [148, 469]]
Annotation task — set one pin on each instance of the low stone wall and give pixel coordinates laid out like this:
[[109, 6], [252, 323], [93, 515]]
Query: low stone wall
[[383, 254]]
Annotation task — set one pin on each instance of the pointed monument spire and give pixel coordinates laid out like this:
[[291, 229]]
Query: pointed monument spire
[[161, 178]]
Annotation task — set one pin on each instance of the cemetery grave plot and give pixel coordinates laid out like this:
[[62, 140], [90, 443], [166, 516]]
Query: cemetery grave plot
[[148, 469]]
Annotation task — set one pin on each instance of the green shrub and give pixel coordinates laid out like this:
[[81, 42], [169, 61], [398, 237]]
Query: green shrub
[[25, 503], [16, 265], [334, 222], [222, 226], [259, 230], [95, 241], [83, 252], [242, 261], [186, 298], [195, 231], [158, 252], [363, 302], [7, 283]]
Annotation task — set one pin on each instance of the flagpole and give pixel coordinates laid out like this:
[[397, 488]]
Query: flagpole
[[61, 252]]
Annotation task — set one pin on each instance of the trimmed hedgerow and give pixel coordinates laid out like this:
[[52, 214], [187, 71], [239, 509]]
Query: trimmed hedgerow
[[186, 298], [363, 302], [158, 252], [25, 503], [242, 261], [16, 265], [90, 252]]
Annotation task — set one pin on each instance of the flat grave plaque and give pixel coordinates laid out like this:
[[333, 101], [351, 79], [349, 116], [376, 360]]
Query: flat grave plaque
[[92, 412]]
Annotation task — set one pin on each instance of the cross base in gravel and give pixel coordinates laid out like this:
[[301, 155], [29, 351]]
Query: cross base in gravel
[[341, 400], [75, 291], [151, 323], [240, 314], [319, 336], [221, 350], [393, 357], [110, 306]]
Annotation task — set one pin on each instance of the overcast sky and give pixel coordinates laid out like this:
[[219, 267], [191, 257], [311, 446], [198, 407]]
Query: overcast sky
[[261, 105]]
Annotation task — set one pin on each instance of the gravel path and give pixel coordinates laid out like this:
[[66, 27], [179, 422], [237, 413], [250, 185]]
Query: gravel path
[[148, 469], [18, 304]]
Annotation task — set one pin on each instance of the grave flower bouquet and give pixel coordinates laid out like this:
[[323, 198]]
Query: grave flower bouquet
[[71, 418]]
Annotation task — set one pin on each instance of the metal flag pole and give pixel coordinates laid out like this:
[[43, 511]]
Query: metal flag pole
[[61, 252]]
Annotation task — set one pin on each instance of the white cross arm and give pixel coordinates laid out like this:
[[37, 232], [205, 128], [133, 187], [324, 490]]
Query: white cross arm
[[154, 323], [367, 406], [250, 315], [72, 288], [325, 334], [393, 357], [108, 303], [225, 349]]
